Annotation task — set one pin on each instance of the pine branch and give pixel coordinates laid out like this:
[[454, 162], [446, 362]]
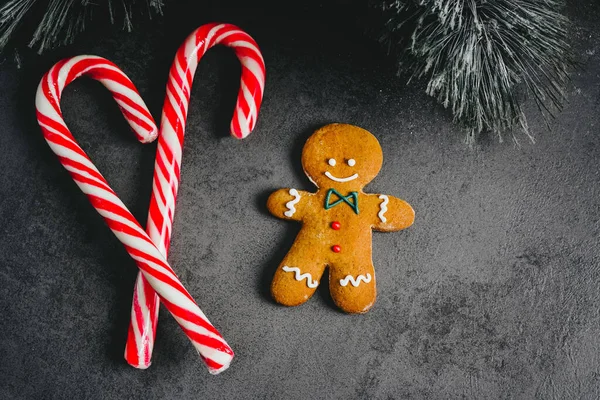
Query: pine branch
[[62, 20], [482, 58]]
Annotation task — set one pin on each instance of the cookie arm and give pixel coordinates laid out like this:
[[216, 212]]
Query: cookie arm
[[288, 203], [393, 214]]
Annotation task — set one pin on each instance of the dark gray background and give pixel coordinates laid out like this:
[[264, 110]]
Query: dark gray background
[[492, 293]]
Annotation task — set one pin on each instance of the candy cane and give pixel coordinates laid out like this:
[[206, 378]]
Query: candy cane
[[144, 310], [212, 348]]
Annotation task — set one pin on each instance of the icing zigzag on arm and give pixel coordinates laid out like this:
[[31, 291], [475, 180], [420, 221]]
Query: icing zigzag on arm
[[290, 204], [383, 208]]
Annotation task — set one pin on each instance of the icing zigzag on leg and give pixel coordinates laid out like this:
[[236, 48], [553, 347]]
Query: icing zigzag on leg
[[298, 276], [355, 282]]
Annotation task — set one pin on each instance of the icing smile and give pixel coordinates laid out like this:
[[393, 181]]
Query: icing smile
[[347, 179]]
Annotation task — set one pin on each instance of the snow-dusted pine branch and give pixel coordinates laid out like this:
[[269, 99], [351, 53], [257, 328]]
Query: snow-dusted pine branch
[[482, 58]]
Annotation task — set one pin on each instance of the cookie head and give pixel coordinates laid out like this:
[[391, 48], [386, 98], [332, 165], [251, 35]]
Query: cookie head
[[342, 156]]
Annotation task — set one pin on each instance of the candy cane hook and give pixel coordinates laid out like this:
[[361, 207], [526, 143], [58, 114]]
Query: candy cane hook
[[212, 348], [144, 310]]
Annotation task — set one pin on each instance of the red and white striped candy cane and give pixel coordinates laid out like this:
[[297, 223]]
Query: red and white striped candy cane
[[213, 349], [144, 310]]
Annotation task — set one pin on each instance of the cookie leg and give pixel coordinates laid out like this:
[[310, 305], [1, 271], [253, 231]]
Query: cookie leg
[[352, 285], [296, 278]]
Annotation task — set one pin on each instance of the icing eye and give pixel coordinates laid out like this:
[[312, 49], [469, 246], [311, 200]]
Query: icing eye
[[331, 162], [352, 162]]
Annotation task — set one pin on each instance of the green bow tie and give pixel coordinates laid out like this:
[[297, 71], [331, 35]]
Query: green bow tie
[[342, 199]]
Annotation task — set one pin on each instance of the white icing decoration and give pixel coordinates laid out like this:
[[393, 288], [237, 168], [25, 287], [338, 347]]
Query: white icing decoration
[[290, 204], [309, 281], [355, 282], [331, 162], [347, 179], [383, 207], [352, 162]]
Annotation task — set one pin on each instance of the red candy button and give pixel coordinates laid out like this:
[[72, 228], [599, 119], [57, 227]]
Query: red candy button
[[335, 225], [336, 248]]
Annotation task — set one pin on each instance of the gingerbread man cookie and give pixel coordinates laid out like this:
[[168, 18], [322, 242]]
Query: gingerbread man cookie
[[337, 220]]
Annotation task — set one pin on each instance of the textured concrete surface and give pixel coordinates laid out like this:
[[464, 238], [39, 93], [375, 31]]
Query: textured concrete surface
[[493, 293]]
